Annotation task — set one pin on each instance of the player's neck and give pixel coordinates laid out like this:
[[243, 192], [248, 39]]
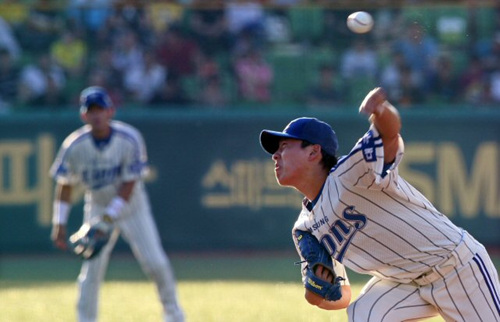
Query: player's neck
[[101, 133], [313, 185]]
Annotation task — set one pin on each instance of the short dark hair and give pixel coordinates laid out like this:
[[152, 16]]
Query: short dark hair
[[328, 161]]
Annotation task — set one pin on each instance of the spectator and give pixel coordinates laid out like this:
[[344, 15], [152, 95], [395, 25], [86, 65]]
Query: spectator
[[325, 93], [389, 24], [493, 87], [9, 77], [491, 61], [113, 29], [390, 74], [143, 81], [245, 23], [208, 26], [9, 41], [14, 12], [277, 27], [171, 94], [103, 61], [443, 83], [491, 55], [419, 50], [42, 83], [131, 12], [255, 77], [473, 82], [144, 28], [127, 52], [360, 60], [177, 53], [243, 44], [70, 52], [212, 93], [402, 84], [163, 14], [410, 92], [244, 15], [126, 16], [41, 28], [89, 15]]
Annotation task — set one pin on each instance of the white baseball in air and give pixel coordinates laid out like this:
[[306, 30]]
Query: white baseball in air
[[360, 22]]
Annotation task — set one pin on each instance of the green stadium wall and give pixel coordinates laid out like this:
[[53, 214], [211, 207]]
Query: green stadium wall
[[212, 187]]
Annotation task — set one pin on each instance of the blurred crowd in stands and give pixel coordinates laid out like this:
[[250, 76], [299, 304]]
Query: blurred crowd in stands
[[245, 53]]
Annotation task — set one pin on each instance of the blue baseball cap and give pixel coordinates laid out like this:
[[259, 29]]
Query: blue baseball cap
[[94, 95], [305, 128]]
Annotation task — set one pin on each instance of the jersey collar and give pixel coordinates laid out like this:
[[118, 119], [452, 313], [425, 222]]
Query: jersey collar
[[102, 143], [310, 204]]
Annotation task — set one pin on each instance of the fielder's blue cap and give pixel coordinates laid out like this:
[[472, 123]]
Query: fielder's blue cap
[[305, 128], [94, 95]]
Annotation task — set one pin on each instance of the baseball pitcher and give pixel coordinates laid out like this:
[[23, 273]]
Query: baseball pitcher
[[369, 219]]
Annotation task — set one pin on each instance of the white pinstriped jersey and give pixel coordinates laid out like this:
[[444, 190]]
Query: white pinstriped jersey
[[101, 166], [373, 221]]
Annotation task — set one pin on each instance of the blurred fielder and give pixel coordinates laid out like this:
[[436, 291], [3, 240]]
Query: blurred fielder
[[374, 222], [109, 158]]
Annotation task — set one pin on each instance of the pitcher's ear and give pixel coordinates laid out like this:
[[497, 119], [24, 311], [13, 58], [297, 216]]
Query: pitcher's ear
[[316, 150]]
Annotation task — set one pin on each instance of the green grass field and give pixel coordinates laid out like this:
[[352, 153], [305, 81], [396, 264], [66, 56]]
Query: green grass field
[[254, 287]]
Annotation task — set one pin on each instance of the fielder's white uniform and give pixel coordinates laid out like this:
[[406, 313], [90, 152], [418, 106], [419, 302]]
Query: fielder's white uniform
[[101, 166], [374, 222]]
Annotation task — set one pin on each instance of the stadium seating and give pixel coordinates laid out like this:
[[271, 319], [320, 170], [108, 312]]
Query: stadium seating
[[306, 23]]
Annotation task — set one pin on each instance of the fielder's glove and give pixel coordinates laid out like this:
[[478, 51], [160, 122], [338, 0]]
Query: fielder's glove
[[315, 254], [91, 238]]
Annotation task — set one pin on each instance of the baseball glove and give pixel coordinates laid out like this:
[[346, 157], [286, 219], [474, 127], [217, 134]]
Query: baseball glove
[[90, 239], [315, 254]]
